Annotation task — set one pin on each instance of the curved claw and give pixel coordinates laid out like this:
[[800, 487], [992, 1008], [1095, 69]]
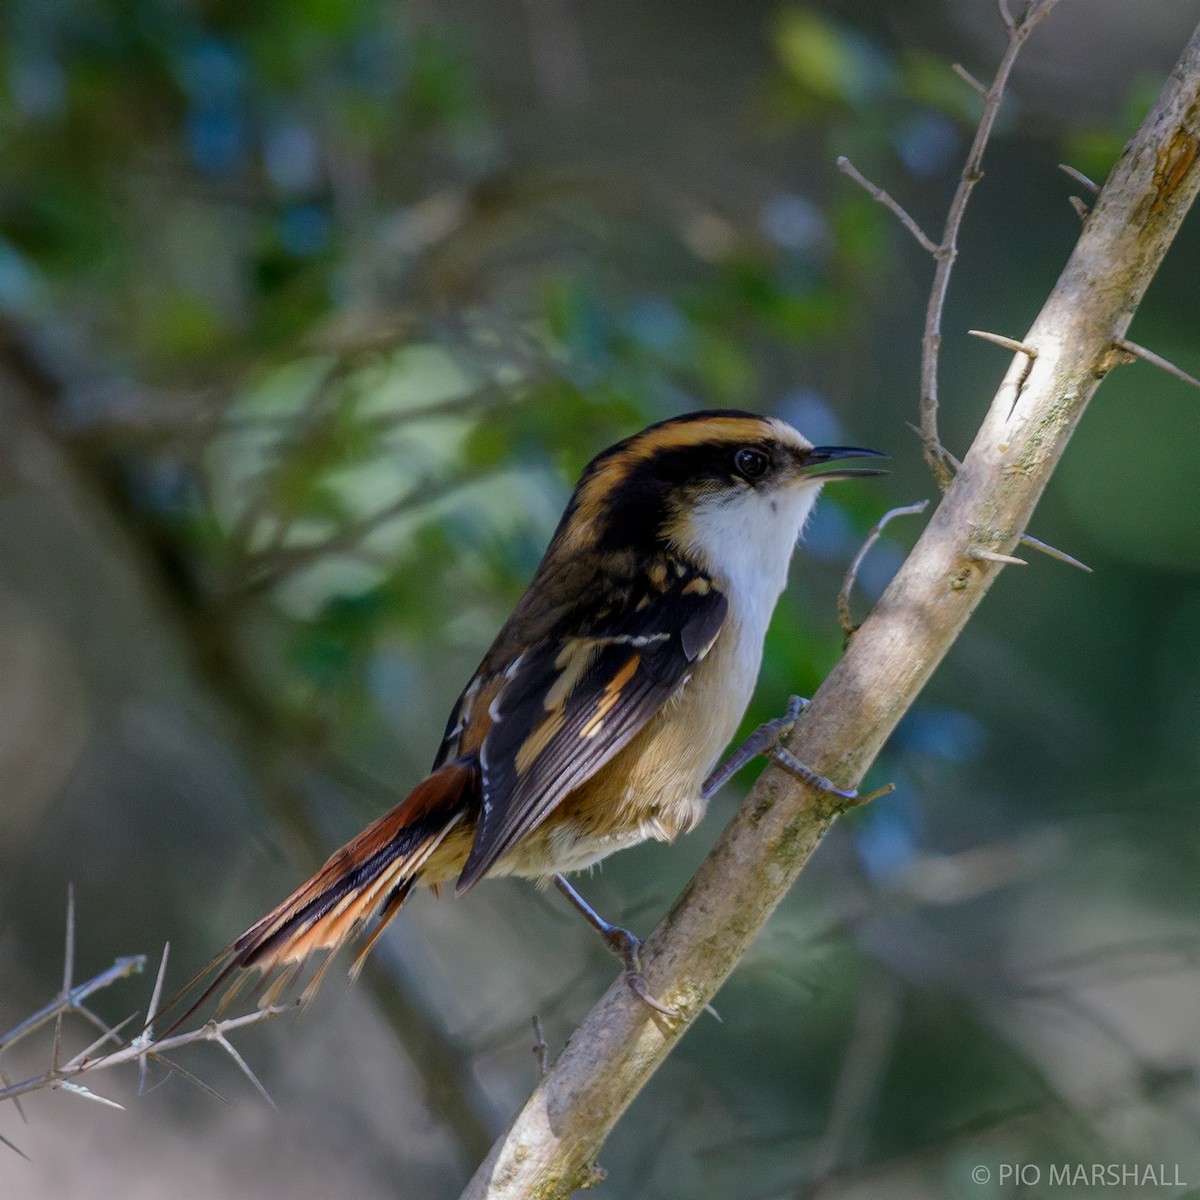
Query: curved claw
[[628, 948], [637, 985]]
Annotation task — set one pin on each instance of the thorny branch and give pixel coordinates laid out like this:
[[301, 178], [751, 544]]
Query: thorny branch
[[550, 1149], [945, 252], [142, 1049]]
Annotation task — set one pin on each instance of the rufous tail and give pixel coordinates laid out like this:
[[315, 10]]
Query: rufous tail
[[369, 876]]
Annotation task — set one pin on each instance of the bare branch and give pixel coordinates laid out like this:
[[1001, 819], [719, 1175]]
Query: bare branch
[[890, 203], [931, 342], [1156, 360], [69, 952], [873, 535], [122, 968], [967, 77], [541, 1053], [135, 1051], [552, 1144], [65, 1075]]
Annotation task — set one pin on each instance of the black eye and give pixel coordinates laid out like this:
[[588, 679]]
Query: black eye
[[751, 464]]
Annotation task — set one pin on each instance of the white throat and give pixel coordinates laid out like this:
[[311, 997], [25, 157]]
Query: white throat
[[746, 544]]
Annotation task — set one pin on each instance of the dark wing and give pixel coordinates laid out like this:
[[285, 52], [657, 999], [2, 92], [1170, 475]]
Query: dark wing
[[571, 704]]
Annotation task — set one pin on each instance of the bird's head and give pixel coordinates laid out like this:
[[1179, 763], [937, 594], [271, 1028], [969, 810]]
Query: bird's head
[[711, 485]]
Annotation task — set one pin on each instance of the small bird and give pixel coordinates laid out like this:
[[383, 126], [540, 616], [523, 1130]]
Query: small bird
[[603, 705]]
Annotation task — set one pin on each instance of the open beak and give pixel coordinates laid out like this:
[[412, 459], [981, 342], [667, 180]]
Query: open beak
[[820, 455]]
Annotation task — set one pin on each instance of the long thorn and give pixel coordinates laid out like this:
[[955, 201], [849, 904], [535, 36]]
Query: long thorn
[[1155, 360], [184, 1073], [230, 1049], [147, 1034], [1080, 178], [998, 339], [7, 1083], [15, 1148], [981, 555], [77, 1089], [109, 1035], [1053, 552]]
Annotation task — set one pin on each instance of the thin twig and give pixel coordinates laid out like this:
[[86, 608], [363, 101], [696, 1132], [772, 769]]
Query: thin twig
[[890, 203], [122, 968], [860, 1079], [967, 77], [213, 1031], [843, 600], [65, 1075], [69, 952], [1155, 360], [935, 453], [541, 1053]]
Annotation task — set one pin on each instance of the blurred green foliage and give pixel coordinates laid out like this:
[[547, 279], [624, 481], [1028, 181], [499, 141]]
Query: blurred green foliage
[[344, 296]]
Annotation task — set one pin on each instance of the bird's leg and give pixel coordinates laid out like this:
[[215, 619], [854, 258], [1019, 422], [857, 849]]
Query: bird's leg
[[765, 740], [625, 945]]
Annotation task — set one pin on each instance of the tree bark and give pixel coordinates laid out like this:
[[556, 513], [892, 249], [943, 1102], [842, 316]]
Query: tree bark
[[550, 1149]]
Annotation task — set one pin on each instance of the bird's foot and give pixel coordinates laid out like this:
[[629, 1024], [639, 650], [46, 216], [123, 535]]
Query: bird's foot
[[789, 762], [625, 945], [628, 948]]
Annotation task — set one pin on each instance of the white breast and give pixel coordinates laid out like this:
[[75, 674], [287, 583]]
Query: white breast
[[746, 544]]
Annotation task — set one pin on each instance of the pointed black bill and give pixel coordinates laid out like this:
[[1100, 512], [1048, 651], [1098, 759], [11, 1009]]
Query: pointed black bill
[[818, 456]]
